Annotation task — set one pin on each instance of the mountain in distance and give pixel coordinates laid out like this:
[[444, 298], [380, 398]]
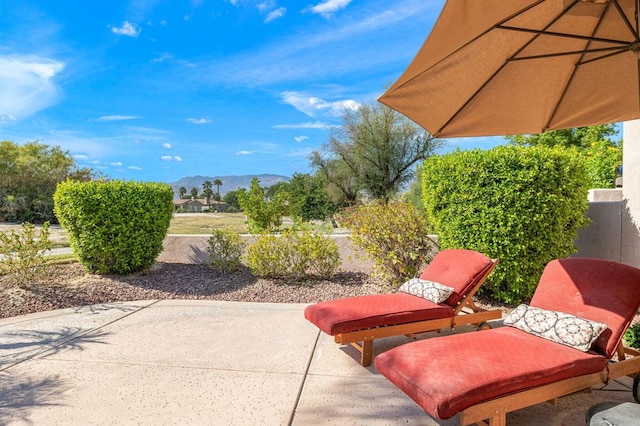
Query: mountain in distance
[[229, 183]]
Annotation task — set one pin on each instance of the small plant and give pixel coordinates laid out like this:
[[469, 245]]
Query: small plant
[[394, 235], [225, 250], [22, 254], [263, 214], [632, 336], [320, 253], [293, 254]]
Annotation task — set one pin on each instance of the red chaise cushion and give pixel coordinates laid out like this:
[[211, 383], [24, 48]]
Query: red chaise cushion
[[445, 375], [594, 289], [362, 312], [457, 268]]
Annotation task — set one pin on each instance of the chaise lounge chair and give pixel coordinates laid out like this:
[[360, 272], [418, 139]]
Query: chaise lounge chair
[[366, 318], [508, 368]]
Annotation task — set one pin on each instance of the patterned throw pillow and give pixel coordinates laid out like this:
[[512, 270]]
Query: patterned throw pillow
[[430, 290], [569, 330]]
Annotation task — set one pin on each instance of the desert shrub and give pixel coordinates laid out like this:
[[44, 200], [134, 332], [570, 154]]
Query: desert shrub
[[523, 206], [263, 213], [115, 226], [225, 250], [395, 236], [22, 254], [293, 254], [632, 336]]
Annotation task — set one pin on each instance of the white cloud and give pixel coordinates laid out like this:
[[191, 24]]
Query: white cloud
[[328, 7], [166, 145], [199, 120], [134, 168], [171, 158], [26, 85], [308, 125], [127, 29], [301, 138], [266, 5], [116, 164], [311, 105], [162, 58], [244, 152], [275, 14], [118, 117], [299, 153], [177, 158], [81, 157], [343, 45]]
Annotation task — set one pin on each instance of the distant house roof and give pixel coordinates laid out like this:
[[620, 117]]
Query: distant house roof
[[202, 201]]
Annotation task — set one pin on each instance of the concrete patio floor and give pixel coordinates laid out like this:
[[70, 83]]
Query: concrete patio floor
[[209, 363]]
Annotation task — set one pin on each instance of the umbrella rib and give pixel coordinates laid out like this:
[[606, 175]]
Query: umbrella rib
[[602, 57], [564, 35], [616, 50], [487, 81], [625, 19], [575, 67], [515, 14]]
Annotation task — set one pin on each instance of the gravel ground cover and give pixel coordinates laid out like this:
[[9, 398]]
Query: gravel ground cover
[[178, 274], [71, 286]]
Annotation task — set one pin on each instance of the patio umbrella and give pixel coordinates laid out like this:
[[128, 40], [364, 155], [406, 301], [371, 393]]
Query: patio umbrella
[[497, 67]]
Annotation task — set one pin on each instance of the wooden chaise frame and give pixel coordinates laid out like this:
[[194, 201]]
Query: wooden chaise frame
[[466, 312], [494, 412]]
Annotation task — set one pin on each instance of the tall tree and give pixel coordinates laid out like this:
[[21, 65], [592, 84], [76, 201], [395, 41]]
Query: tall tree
[[579, 137], [231, 198], [207, 191], [308, 198], [218, 184], [341, 183], [29, 174], [379, 147], [194, 192], [182, 191], [602, 156]]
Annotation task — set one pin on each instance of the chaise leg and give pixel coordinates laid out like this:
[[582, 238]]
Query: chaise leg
[[367, 353], [498, 420]]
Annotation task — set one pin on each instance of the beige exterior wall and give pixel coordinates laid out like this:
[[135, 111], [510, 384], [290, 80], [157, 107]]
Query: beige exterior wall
[[614, 233], [630, 241]]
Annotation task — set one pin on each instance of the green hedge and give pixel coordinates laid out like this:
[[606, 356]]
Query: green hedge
[[523, 206], [115, 226]]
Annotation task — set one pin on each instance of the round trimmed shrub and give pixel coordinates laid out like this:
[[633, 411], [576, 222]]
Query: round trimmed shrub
[[523, 206], [115, 226]]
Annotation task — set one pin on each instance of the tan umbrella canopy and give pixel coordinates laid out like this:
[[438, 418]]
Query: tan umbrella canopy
[[497, 67]]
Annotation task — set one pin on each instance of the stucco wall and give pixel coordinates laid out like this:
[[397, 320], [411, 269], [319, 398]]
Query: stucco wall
[[630, 239], [614, 233]]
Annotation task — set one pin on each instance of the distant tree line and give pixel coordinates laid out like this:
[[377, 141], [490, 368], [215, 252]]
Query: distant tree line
[[29, 174]]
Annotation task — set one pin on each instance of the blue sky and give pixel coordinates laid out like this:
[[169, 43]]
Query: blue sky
[[157, 90]]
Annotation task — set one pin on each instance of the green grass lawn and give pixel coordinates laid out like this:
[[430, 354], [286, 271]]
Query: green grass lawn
[[182, 223], [205, 223]]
